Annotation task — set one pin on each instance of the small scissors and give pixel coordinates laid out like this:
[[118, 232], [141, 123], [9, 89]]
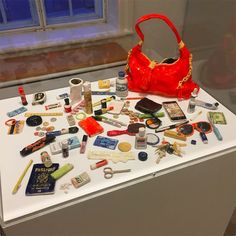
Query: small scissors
[[108, 172]]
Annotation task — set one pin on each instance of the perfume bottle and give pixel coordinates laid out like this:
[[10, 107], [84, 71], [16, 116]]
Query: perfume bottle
[[88, 107], [141, 139], [192, 101]]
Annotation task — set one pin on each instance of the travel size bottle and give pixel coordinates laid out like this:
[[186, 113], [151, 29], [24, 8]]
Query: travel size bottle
[[121, 85], [192, 101], [141, 139], [88, 107]]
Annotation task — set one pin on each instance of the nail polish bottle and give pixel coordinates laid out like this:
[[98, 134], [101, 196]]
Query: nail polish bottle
[[67, 106], [22, 96]]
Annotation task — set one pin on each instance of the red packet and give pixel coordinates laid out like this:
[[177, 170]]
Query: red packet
[[91, 126]]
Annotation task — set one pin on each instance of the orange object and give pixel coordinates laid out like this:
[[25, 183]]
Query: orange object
[[91, 126]]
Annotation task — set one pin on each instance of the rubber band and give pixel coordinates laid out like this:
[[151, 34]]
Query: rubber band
[[10, 122], [80, 116]]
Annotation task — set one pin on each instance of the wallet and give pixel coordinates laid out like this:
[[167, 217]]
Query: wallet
[[146, 105]]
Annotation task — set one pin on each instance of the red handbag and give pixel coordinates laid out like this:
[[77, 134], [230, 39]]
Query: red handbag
[[169, 78]]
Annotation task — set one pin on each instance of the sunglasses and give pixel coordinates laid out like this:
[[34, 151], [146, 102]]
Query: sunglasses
[[188, 129]]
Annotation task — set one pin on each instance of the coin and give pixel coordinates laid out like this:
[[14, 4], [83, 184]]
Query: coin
[[53, 119], [38, 128], [45, 123]]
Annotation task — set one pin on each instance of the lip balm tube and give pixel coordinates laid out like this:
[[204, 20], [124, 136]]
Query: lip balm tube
[[83, 144], [98, 164]]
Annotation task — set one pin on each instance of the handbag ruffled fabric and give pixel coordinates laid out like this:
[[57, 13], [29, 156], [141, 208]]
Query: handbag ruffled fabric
[[170, 78]]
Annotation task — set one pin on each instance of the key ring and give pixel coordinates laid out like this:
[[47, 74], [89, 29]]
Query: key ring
[[10, 122]]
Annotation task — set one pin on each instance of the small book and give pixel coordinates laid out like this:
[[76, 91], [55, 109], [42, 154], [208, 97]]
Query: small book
[[40, 181], [91, 126]]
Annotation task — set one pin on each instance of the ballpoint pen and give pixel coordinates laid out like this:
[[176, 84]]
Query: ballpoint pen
[[215, 129], [170, 126]]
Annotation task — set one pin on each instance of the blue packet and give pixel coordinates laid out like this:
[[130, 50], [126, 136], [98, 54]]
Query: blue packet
[[105, 142]]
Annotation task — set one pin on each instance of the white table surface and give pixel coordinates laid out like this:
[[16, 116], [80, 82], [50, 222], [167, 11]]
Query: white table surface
[[18, 206]]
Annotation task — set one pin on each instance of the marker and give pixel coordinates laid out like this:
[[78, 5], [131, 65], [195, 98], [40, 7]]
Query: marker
[[170, 126], [17, 186], [83, 144]]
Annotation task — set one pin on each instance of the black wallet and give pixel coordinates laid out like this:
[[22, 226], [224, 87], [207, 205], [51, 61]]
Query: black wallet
[[146, 105]]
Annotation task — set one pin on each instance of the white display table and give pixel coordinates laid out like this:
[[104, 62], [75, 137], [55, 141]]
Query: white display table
[[18, 208]]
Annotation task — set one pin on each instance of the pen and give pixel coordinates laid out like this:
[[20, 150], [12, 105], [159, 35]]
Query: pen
[[131, 98], [215, 129], [107, 121], [108, 99], [17, 186], [170, 126]]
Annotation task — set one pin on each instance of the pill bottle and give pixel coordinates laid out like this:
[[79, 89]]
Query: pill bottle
[[121, 85]]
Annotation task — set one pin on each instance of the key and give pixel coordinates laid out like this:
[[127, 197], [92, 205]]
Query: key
[[108, 172]]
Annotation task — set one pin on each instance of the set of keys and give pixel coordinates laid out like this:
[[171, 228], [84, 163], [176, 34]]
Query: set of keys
[[169, 148]]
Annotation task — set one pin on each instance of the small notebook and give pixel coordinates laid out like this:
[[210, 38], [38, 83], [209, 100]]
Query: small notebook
[[91, 126], [40, 181]]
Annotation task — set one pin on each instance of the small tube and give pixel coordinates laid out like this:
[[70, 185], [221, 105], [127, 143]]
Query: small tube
[[83, 144], [65, 148], [98, 164]]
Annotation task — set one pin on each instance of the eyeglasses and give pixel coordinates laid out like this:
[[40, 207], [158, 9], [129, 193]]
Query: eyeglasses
[[188, 129]]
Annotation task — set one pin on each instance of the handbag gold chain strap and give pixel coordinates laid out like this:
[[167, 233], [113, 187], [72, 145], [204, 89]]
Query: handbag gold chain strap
[[185, 79]]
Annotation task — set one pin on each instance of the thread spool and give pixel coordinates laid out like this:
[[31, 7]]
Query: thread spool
[[75, 89]]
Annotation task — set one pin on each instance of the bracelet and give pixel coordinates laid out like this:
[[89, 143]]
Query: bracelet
[[80, 116], [10, 122]]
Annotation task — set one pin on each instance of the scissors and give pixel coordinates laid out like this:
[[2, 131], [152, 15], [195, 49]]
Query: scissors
[[108, 172]]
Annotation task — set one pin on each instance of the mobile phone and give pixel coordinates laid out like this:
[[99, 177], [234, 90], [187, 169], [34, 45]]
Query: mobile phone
[[174, 111]]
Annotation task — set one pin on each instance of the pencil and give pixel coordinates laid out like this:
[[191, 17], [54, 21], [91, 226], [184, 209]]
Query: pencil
[[17, 186]]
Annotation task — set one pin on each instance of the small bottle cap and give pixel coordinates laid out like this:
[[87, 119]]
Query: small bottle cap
[[194, 93], [142, 156], [85, 138], [20, 89], [87, 86], [67, 101], [98, 112], [121, 74], [64, 144], [142, 131]]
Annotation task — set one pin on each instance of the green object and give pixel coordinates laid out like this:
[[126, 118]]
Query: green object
[[62, 171], [145, 116]]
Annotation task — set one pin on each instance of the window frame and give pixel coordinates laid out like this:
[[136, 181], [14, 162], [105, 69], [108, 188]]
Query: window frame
[[12, 25], [40, 13]]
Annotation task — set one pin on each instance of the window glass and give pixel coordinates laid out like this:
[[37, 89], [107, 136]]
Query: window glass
[[17, 10], [1, 20], [83, 7], [55, 8]]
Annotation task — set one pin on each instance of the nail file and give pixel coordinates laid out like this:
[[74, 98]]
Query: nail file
[[28, 114]]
